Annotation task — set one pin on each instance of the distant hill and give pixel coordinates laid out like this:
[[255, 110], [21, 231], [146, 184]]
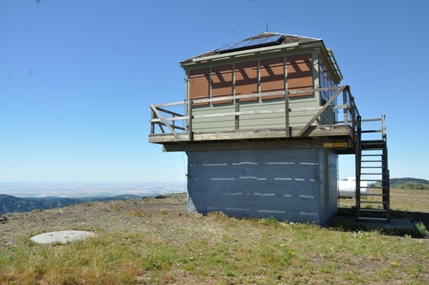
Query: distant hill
[[10, 204], [409, 183]]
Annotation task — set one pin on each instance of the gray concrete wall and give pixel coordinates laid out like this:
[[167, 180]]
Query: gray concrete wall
[[297, 185]]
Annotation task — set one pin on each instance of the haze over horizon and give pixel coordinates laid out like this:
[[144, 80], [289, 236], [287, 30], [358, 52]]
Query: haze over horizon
[[87, 189]]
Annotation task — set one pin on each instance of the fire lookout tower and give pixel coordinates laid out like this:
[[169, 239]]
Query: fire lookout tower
[[263, 123]]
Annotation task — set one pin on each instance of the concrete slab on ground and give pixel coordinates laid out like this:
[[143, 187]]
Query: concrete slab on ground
[[394, 223], [61, 237]]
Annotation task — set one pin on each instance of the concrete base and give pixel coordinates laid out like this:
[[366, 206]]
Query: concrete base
[[394, 223], [298, 185]]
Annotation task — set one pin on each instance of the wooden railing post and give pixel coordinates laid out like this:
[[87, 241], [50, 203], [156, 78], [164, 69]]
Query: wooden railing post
[[358, 160], [191, 136], [237, 109], [345, 103], [152, 125], [383, 127], [287, 122]]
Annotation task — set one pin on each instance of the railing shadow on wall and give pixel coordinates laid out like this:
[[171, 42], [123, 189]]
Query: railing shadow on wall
[[165, 121]]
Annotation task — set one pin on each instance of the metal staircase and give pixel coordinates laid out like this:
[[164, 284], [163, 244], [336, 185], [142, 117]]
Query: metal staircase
[[372, 169]]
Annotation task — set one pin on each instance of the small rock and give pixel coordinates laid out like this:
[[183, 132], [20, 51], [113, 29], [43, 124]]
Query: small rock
[[3, 219]]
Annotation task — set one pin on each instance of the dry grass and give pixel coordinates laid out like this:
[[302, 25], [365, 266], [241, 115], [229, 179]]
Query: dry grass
[[155, 241], [401, 200]]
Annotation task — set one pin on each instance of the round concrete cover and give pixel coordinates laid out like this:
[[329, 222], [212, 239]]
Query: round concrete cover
[[61, 236]]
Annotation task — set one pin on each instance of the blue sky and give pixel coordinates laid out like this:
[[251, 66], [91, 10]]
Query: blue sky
[[77, 77]]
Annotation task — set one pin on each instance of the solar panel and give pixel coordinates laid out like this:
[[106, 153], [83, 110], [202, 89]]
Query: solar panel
[[227, 46], [249, 43]]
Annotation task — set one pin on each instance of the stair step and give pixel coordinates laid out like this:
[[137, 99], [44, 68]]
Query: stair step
[[371, 167], [372, 160], [375, 144], [372, 202], [374, 219], [373, 210], [367, 142], [372, 194], [373, 141]]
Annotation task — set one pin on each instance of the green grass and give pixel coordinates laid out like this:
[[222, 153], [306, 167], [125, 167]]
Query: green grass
[[145, 243]]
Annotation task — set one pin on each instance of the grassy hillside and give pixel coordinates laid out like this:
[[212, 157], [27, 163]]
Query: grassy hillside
[[10, 204], [409, 183], [155, 241]]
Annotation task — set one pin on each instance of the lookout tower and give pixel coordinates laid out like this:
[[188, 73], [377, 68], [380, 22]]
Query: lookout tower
[[263, 123]]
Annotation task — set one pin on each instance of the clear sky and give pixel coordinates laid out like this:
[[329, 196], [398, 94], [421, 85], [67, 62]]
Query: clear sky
[[77, 77]]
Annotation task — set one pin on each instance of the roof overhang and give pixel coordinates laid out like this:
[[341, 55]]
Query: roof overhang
[[318, 44], [241, 53]]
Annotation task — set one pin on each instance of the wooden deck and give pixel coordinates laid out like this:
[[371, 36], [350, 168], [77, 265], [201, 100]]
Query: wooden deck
[[335, 136], [176, 137]]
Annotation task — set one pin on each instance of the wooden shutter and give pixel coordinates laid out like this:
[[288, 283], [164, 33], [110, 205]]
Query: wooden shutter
[[272, 74], [300, 73], [246, 79], [221, 77], [199, 85]]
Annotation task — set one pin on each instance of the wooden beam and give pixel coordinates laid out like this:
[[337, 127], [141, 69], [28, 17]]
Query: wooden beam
[[245, 113], [169, 119], [244, 145], [164, 121], [169, 104], [321, 110], [169, 112], [336, 131]]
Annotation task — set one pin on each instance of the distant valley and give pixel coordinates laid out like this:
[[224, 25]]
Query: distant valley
[[30, 196], [11, 204]]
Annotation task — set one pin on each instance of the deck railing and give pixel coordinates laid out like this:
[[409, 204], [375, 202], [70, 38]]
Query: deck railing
[[172, 122]]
